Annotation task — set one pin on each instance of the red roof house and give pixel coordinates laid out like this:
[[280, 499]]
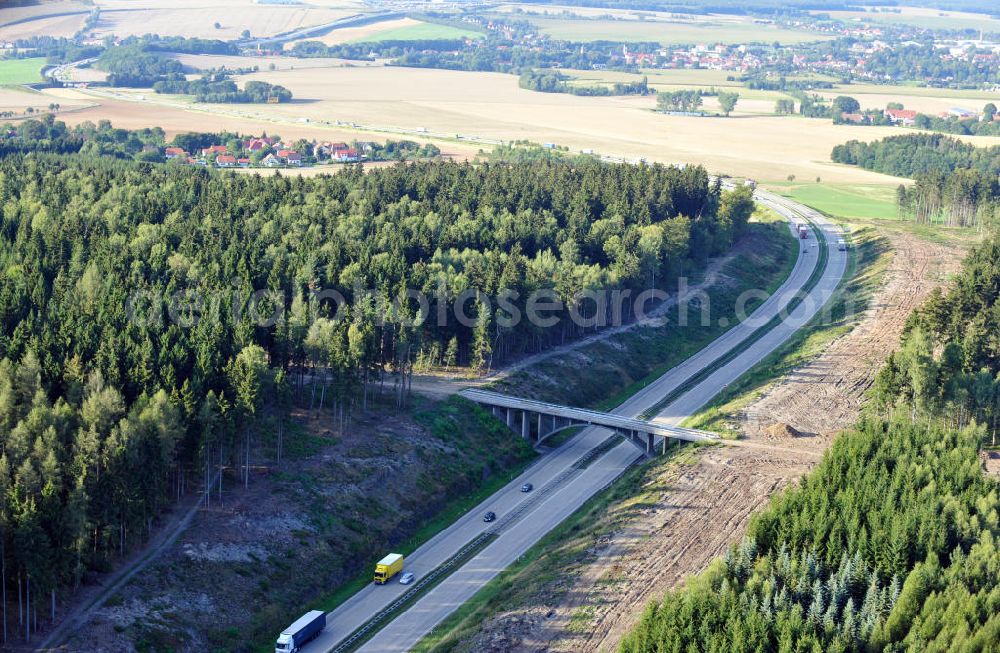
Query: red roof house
[[345, 155], [904, 116]]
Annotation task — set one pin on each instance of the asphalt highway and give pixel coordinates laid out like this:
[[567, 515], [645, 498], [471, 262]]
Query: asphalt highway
[[562, 490]]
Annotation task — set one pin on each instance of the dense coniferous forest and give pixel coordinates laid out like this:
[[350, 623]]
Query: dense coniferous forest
[[912, 154], [129, 342], [963, 198], [891, 544], [956, 182]]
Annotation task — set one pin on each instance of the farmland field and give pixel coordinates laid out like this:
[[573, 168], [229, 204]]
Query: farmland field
[[922, 17], [418, 30], [674, 32], [233, 62], [197, 19], [850, 201], [21, 71], [44, 25], [751, 101], [922, 99], [397, 29], [179, 117], [491, 106], [11, 14], [681, 77], [358, 33], [16, 100]]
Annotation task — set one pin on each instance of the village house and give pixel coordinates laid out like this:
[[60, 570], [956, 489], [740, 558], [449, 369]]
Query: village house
[[346, 155], [174, 152], [214, 150], [901, 116], [270, 161], [291, 157], [225, 160], [258, 144]]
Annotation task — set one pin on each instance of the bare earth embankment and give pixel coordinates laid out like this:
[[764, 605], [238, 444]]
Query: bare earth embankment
[[694, 509]]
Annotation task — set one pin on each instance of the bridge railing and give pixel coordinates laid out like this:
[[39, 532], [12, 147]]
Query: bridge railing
[[645, 433]]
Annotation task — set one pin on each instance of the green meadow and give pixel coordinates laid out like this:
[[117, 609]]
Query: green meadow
[[21, 71], [851, 201]]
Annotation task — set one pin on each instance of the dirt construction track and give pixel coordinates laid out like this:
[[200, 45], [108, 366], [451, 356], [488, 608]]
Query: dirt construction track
[[702, 505]]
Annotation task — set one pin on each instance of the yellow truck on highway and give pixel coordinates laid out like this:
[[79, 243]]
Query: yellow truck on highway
[[388, 567]]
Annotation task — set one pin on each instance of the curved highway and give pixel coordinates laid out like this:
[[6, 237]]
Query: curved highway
[[561, 487]]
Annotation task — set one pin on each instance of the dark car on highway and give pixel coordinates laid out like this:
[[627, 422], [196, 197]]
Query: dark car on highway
[[490, 516], [527, 487]]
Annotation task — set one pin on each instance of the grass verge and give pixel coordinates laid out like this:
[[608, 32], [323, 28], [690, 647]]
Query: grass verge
[[602, 374], [744, 344], [557, 554], [868, 261], [772, 244], [448, 515]]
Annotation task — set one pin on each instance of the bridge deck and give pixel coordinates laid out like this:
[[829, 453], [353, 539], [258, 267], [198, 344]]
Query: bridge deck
[[583, 415]]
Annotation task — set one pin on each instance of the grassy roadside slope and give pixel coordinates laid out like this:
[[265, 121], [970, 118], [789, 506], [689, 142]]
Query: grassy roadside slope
[[869, 259], [763, 263], [543, 571], [556, 555], [762, 260], [601, 375], [338, 522]]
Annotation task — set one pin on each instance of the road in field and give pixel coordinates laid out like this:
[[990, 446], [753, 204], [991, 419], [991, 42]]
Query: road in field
[[569, 494]]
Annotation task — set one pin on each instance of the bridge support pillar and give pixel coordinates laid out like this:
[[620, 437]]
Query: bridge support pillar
[[650, 444], [525, 425], [510, 418], [541, 429], [666, 446]]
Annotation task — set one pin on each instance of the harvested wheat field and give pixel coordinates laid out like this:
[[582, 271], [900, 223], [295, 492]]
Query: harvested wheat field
[[11, 14], [929, 104], [197, 19], [55, 26], [135, 115], [359, 33], [16, 100], [491, 105], [233, 62]]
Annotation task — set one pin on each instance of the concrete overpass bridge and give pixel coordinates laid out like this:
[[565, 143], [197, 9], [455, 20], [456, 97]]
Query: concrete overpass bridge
[[540, 420]]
